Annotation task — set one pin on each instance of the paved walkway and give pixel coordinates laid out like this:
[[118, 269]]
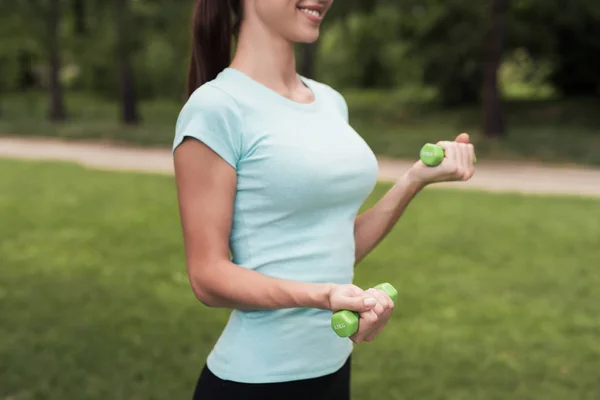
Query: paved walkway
[[490, 176]]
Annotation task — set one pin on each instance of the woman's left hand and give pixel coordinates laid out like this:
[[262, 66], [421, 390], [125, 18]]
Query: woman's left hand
[[458, 164]]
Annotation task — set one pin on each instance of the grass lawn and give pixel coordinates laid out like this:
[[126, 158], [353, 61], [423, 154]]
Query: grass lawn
[[498, 294], [393, 124]]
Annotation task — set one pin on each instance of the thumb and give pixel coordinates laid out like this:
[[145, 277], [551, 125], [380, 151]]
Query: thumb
[[462, 138], [362, 303]]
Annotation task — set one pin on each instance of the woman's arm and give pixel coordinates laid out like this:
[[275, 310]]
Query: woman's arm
[[371, 227], [206, 191], [206, 187]]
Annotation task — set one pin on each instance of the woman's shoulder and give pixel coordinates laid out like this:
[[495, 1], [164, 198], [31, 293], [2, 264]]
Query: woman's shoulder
[[212, 116], [211, 96], [211, 103]]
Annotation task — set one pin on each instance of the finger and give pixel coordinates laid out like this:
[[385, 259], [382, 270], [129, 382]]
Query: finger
[[364, 302], [382, 298], [463, 138], [366, 326], [373, 335], [391, 305], [452, 162], [461, 160], [381, 323], [368, 323], [446, 145], [470, 156], [379, 309], [384, 312], [468, 160]]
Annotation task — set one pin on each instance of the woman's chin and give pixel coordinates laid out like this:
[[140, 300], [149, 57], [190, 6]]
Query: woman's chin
[[307, 36]]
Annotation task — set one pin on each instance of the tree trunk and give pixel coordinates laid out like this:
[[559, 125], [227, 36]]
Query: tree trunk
[[307, 68], [494, 120], [79, 17], [57, 106], [129, 111], [373, 74], [26, 78]]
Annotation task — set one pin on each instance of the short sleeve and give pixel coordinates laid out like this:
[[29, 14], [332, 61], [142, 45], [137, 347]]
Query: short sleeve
[[212, 116]]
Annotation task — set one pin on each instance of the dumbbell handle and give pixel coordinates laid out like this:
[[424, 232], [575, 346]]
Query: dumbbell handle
[[345, 322], [432, 155]]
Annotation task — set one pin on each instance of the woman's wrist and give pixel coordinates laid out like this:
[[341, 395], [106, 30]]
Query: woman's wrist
[[322, 296], [304, 295], [412, 181]]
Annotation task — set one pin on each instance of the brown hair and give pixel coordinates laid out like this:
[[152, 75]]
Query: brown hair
[[215, 23]]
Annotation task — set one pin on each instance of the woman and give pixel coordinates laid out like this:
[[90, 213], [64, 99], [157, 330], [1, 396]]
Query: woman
[[269, 170]]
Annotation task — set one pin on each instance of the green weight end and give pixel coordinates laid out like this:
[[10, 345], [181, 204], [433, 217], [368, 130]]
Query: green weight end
[[344, 323], [432, 154]]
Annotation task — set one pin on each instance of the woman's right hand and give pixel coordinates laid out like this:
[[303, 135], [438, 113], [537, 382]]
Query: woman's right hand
[[374, 308], [458, 164]]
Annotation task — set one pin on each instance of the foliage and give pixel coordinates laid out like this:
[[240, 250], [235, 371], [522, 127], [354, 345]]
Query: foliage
[[375, 44], [447, 37], [565, 34], [365, 51]]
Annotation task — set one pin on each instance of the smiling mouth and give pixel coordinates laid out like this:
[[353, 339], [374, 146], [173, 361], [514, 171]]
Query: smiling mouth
[[314, 13]]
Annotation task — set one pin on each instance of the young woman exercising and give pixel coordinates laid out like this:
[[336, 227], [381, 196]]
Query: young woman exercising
[[270, 178]]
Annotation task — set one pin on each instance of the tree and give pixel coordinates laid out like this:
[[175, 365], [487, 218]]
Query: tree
[[26, 78], [373, 67], [129, 111], [57, 105], [494, 121], [80, 27]]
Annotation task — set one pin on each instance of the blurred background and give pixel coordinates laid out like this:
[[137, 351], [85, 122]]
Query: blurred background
[[94, 297], [409, 70]]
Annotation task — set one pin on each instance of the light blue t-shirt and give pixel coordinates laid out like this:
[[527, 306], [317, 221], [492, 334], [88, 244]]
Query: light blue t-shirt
[[302, 175]]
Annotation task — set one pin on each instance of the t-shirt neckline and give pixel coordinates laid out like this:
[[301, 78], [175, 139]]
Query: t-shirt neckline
[[272, 94]]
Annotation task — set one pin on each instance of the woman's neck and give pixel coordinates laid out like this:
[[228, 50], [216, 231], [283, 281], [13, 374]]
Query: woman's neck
[[267, 58]]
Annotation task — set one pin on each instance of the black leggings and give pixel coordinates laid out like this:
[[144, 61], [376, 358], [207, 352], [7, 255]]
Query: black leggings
[[334, 386]]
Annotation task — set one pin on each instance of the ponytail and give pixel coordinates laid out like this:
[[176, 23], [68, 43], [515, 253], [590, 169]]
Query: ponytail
[[215, 22]]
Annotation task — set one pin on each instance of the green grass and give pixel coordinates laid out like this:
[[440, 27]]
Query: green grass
[[498, 294], [394, 124]]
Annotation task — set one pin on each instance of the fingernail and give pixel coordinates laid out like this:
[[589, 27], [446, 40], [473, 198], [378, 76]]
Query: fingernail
[[370, 301]]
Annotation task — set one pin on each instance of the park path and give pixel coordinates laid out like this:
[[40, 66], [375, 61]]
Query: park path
[[490, 176]]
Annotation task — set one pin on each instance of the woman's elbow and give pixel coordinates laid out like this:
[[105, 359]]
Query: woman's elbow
[[202, 291], [206, 299]]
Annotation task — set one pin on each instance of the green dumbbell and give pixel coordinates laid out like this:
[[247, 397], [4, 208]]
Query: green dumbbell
[[432, 155], [345, 322]]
